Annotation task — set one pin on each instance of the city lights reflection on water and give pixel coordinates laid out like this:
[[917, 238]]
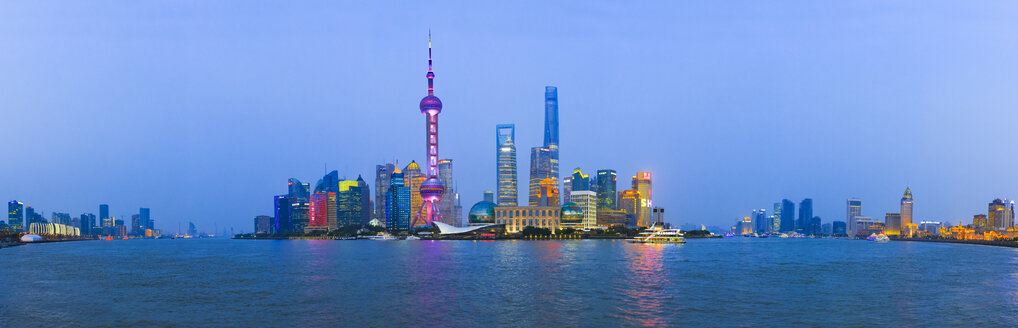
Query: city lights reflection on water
[[725, 282]]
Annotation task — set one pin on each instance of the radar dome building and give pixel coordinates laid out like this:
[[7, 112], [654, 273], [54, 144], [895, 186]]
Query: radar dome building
[[432, 188], [572, 215], [482, 213]]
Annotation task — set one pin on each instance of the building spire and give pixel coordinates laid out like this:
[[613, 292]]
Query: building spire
[[431, 75]]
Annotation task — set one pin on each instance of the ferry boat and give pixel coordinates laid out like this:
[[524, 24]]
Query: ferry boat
[[881, 238], [382, 236], [659, 235]]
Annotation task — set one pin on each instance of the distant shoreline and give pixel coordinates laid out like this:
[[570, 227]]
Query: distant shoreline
[[970, 242]]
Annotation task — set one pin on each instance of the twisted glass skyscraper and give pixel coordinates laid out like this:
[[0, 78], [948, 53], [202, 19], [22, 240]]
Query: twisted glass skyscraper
[[551, 128]]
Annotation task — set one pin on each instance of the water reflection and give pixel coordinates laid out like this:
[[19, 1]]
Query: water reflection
[[646, 292]]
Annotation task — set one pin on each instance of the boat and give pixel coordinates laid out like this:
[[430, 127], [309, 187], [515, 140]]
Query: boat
[[412, 238], [382, 236], [659, 235], [763, 236], [881, 238], [784, 235]]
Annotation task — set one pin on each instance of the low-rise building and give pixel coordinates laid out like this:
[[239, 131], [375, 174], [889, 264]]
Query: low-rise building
[[515, 218]]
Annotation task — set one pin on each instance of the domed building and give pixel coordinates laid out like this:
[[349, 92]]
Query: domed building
[[482, 213], [572, 215]]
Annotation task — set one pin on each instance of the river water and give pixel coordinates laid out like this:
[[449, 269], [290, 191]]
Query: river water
[[590, 283]]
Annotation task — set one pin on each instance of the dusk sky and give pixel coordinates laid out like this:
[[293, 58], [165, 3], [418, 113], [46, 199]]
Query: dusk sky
[[202, 110]]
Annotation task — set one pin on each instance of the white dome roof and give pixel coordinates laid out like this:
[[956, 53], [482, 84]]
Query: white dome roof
[[30, 238]]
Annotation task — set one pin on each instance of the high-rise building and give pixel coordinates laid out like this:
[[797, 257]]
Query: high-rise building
[[365, 199], [505, 164], [587, 201], [551, 141], [853, 208], [263, 224], [489, 196], [398, 209], [805, 214], [382, 175], [979, 220], [104, 216], [629, 202], [540, 169], [892, 224], [16, 215], [87, 221], [281, 214], [606, 189], [549, 193], [838, 228], [906, 208], [776, 218], [349, 206], [658, 216], [580, 181], [787, 216], [641, 183], [191, 230], [431, 189], [813, 228], [145, 219], [136, 225], [319, 211], [299, 195], [567, 188], [1000, 216], [448, 207], [760, 222]]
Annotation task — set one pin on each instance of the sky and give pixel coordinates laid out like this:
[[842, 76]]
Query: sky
[[202, 110]]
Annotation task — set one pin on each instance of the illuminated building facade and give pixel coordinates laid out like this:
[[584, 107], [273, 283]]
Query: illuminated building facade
[[319, 211], [482, 213], [760, 222], [641, 183], [398, 209], [549, 193], [281, 214], [431, 190], [349, 206], [979, 220], [606, 189], [1000, 215], [571, 216], [587, 201], [299, 195], [906, 208], [414, 178], [16, 215], [580, 181], [892, 224], [505, 165], [551, 130], [515, 218], [629, 202], [853, 208], [776, 218], [567, 188], [104, 216], [540, 169]]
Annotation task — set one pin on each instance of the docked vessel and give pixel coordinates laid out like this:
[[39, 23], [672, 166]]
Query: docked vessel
[[413, 238], [383, 236], [881, 238], [659, 235]]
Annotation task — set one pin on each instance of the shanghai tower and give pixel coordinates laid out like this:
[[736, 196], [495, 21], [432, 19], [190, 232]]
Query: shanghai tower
[[551, 127], [431, 189]]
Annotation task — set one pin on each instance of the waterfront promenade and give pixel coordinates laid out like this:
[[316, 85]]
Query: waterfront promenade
[[1000, 243]]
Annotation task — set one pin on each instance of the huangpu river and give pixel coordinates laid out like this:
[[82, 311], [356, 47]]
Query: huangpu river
[[585, 283]]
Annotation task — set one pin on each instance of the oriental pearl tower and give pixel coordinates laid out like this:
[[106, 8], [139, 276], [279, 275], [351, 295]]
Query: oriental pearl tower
[[431, 189]]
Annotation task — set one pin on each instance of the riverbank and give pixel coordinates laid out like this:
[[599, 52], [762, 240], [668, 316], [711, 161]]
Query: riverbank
[[971, 242]]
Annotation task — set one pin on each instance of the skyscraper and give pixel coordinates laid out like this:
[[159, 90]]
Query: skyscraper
[[805, 215], [549, 193], [414, 178], [281, 214], [432, 188], [641, 183], [505, 164], [365, 199], [145, 219], [606, 189], [906, 208], [382, 175], [299, 195], [349, 205], [1000, 216], [397, 210], [892, 224], [448, 206], [567, 188], [787, 215], [629, 202], [587, 201], [776, 218], [760, 222], [853, 209], [580, 181], [87, 222], [16, 215], [551, 130], [104, 216], [540, 169]]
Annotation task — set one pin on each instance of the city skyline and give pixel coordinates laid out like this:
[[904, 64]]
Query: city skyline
[[206, 139]]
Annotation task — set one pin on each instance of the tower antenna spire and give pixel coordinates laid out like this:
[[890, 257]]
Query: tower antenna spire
[[431, 75]]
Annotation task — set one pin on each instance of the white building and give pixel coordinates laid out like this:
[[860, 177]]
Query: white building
[[587, 201]]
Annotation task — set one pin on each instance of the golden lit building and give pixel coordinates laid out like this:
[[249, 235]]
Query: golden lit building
[[629, 202], [549, 193], [515, 218], [641, 183], [414, 178]]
